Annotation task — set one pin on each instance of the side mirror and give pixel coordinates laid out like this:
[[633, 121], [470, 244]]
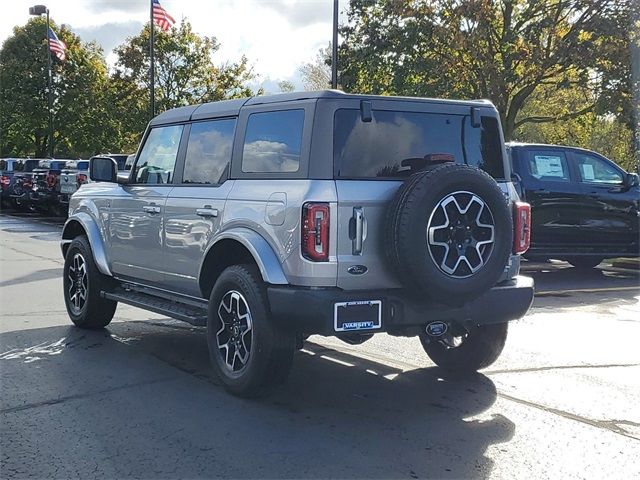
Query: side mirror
[[631, 180], [103, 169], [123, 177]]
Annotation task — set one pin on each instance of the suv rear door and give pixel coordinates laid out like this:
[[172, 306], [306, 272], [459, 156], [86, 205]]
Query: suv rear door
[[135, 223], [195, 206], [369, 167]]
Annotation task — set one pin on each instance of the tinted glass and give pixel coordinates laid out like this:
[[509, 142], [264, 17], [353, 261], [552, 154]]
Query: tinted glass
[[158, 156], [548, 165], [209, 151], [273, 142], [396, 144], [595, 170]]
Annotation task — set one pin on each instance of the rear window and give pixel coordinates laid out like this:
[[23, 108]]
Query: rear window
[[394, 144]]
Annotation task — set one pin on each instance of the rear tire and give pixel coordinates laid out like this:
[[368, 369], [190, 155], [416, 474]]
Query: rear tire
[[480, 348], [82, 284], [250, 354], [585, 263]]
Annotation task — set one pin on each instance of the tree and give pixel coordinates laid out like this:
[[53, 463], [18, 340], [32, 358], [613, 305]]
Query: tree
[[185, 72], [316, 75], [80, 125], [606, 134], [502, 50]]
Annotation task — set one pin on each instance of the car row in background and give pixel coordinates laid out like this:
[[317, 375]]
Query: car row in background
[[585, 208], [45, 185]]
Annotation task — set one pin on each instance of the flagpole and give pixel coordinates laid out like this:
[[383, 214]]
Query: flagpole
[[152, 100], [50, 88]]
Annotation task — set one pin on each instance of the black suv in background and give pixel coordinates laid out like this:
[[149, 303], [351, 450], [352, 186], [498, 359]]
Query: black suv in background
[[585, 208]]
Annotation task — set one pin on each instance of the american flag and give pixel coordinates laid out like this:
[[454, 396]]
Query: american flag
[[57, 46], [161, 17]]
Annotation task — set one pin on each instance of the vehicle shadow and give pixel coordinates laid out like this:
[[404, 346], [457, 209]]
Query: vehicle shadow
[[144, 401]]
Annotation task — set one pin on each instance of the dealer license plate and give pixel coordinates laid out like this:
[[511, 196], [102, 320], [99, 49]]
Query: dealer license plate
[[359, 315]]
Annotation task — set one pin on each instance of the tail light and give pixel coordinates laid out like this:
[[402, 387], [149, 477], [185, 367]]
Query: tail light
[[81, 179], [5, 181], [51, 180], [315, 231], [522, 223]]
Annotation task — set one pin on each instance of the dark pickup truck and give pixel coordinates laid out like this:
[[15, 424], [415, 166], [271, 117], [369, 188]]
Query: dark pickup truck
[[585, 208]]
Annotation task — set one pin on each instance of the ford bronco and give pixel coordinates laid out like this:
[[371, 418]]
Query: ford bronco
[[273, 218]]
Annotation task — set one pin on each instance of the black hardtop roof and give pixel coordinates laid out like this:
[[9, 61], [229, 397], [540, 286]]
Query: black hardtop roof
[[228, 108]]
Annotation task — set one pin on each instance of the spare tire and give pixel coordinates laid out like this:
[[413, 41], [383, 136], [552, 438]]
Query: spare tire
[[449, 233]]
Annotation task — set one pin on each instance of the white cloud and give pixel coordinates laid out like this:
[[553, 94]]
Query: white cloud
[[277, 36]]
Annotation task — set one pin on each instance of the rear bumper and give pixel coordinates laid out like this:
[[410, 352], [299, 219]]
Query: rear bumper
[[310, 311]]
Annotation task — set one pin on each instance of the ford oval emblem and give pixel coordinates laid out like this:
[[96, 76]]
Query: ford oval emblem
[[357, 269], [436, 329]]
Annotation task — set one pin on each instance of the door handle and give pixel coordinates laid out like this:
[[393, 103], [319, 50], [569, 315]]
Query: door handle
[[543, 192], [152, 209], [207, 212], [360, 230]]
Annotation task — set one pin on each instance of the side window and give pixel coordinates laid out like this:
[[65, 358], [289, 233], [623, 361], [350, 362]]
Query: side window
[[595, 170], [158, 156], [548, 166], [209, 151], [273, 142]]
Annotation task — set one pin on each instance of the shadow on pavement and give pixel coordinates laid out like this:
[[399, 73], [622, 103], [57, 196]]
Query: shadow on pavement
[[33, 277], [138, 399]]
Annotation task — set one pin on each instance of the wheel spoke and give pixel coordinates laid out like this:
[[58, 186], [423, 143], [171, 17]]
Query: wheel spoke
[[234, 335], [460, 234]]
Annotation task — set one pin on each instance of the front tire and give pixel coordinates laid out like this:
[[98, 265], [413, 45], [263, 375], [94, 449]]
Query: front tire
[[467, 351], [250, 354], [585, 263], [82, 283]]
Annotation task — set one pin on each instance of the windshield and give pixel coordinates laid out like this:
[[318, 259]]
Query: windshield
[[396, 144]]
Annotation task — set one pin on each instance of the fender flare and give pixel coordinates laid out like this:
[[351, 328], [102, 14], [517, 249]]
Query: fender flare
[[95, 239], [264, 256]]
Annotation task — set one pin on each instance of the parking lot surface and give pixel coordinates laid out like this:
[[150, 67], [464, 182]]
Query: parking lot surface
[[139, 399]]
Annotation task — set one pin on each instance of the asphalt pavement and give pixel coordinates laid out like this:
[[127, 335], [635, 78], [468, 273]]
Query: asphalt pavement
[[138, 399]]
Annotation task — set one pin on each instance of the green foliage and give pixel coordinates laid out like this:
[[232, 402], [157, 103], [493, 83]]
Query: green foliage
[[184, 69], [79, 102], [96, 112], [502, 50]]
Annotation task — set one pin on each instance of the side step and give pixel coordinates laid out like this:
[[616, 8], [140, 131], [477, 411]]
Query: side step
[[195, 315]]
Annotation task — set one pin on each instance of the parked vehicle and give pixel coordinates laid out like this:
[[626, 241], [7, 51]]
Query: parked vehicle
[[45, 189], [120, 158], [276, 217], [71, 178], [21, 183], [7, 166], [585, 208]]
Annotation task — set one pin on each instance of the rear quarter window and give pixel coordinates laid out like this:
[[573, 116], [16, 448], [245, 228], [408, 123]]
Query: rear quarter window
[[390, 144], [273, 142]]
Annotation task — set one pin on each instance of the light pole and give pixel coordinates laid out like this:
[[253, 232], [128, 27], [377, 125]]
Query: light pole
[[38, 10], [334, 52]]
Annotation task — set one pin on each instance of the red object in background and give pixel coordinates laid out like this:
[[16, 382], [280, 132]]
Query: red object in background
[[81, 179], [4, 181]]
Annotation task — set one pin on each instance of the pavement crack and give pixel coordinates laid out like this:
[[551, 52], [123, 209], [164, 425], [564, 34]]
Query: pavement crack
[[559, 367], [610, 425], [79, 396]]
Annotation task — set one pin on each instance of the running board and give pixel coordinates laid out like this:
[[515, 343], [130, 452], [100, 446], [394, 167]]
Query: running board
[[171, 308]]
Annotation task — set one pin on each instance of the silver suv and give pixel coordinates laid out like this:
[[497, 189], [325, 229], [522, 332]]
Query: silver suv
[[272, 218]]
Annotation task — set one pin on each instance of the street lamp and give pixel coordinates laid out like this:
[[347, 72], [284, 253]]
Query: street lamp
[[38, 10]]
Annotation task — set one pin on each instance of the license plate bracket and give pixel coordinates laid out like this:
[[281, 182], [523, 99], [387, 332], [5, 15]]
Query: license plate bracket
[[360, 315]]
